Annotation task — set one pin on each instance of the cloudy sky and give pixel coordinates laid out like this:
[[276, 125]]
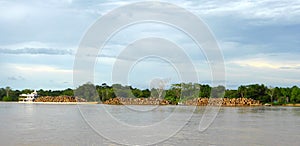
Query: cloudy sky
[[39, 39]]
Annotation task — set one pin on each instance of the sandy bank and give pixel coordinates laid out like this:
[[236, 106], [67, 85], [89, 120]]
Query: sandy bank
[[296, 105]]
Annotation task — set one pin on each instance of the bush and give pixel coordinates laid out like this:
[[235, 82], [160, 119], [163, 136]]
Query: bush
[[7, 98]]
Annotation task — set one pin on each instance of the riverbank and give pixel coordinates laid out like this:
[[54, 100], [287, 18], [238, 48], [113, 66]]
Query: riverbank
[[222, 102], [136, 101], [190, 102], [293, 105], [63, 98], [62, 103], [59, 100], [73, 103], [118, 103]]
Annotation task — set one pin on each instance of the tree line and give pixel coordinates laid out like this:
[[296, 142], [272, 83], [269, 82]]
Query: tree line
[[8, 94], [176, 93]]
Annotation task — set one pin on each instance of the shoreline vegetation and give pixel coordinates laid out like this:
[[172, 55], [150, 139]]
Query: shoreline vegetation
[[183, 94]]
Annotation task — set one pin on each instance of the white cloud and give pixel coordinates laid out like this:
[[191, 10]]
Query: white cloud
[[259, 63], [278, 61], [28, 69], [64, 23], [115, 3], [20, 76], [263, 11], [277, 69], [34, 47]]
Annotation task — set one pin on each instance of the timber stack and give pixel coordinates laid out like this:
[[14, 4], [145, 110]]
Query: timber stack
[[193, 102], [222, 101], [136, 101], [57, 99]]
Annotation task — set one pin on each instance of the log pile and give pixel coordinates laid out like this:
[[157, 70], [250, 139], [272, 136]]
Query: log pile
[[56, 99], [195, 101], [113, 101], [136, 101], [222, 101]]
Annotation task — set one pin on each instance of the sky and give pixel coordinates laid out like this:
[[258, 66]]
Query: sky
[[259, 40]]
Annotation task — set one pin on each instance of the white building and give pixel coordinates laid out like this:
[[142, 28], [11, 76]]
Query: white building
[[29, 97]]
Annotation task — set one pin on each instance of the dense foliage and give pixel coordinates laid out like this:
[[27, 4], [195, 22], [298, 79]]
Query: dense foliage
[[176, 93]]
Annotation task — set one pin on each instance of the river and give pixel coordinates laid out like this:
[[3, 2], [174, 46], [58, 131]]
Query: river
[[50, 124]]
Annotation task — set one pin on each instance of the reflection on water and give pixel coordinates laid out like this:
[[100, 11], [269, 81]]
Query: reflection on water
[[34, 124]]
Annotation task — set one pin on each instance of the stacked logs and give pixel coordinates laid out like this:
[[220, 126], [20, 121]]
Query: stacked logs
[[222, 101], [194, 102], [136, 101], [56, 99], [114, 101]]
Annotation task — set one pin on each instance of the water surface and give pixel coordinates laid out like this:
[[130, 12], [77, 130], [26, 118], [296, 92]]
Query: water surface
[[41, 124]]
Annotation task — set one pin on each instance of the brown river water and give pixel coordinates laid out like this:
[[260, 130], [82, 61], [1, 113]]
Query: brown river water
[[42, 124]]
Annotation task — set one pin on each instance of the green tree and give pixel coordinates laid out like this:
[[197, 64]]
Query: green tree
[[270, 91], [55, 93], [14, 95], [7, 89], [231, 94], [7, 98], [27, 91], [218, 92], [137, 92], [254, 91], [87, 91], [278, 96], [295, 95], [146, 93], [189, 91], [205, 91], [122, 91], [286, 93], [11, 95], [257, 92], [242, 91], [68, 92], [173, 95], [41, 92], [2, 93], [105, 92]]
